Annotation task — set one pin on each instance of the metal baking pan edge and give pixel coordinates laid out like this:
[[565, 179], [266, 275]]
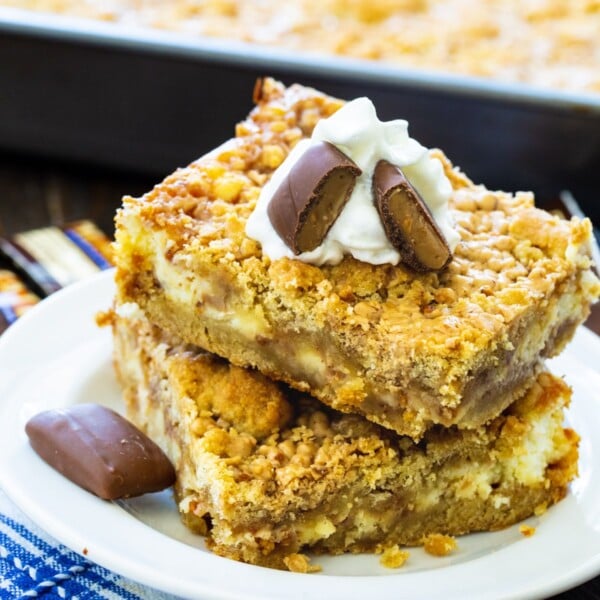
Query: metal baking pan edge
[[151, 100], [247, 54]]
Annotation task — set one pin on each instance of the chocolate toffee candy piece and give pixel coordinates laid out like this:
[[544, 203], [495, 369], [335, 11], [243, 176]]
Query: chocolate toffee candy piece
[[100, 451], [407, 221], [311, 197]]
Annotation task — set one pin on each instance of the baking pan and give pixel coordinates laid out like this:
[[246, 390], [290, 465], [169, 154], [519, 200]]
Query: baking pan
[[149, 101]]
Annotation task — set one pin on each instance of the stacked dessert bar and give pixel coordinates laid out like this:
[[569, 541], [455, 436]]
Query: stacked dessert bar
[[353, 406]]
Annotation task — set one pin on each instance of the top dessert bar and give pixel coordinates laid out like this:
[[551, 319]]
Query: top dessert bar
[[407, 350]]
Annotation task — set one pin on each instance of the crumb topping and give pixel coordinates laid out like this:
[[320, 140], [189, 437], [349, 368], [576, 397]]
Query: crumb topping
[[393, 557], [300, 563], [526, 530], [437, 544]]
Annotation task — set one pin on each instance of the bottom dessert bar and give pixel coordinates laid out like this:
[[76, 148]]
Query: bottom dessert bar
[[266, 473]]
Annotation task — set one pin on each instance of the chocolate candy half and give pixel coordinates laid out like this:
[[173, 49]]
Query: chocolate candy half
[[100, 451], [311, 197], [407, 221]]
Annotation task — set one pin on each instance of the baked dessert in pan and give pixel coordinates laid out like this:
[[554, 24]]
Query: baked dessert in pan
[[541, 42]]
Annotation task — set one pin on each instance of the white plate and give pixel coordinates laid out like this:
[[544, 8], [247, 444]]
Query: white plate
[[56, 356]]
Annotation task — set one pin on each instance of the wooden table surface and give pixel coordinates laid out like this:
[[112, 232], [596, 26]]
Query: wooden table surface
[[35, 192]]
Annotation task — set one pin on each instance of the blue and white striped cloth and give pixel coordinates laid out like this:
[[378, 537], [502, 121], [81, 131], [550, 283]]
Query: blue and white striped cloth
[[33, 565]]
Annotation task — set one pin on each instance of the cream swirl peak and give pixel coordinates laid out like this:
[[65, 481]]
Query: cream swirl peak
[[357, 132]]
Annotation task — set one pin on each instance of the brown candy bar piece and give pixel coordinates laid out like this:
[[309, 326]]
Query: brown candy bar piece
[[311, 197], [100, 451], [407, 221]]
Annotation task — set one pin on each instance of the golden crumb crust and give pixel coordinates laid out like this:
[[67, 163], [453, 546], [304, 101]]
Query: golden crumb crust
[[437, 544], [265, 486], [393, 557], [406, 350]]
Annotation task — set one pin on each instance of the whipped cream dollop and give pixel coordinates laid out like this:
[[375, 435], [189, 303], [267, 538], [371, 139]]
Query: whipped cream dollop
[[357, 132]]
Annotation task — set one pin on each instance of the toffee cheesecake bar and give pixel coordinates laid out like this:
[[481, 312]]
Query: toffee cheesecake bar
[[266, 472], [406, 349]]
